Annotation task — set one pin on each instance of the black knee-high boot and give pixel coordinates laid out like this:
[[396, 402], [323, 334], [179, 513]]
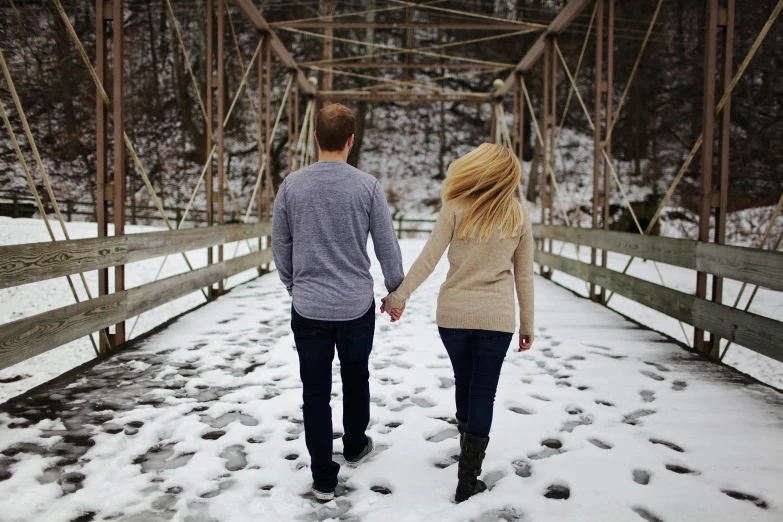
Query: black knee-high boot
[[461, 428], [470, 460]]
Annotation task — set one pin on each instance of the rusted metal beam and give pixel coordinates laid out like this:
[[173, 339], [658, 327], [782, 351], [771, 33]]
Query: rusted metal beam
[[327, 78], [101, 163], [118, 106], [557, 26], [251, 12], [394, 96], [401, 65], [470, 26], [221, 114], [598, 119], [210, 84], [722, 180]]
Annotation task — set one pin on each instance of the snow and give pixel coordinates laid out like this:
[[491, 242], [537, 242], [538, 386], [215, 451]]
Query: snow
[[27, 300], [208, 427]]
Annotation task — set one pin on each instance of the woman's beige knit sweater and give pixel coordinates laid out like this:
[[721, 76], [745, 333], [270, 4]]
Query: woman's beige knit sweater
[[479, 290]]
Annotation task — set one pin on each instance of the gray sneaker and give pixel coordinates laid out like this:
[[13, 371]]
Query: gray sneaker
[[323, 496], [366, 453]]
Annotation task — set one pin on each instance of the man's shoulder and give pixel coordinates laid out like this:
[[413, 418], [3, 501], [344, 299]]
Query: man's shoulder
[[356, 176]]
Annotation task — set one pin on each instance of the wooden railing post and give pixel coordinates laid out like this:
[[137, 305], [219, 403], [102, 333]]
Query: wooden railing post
[[16, 212], [221, 114], [399, 227]]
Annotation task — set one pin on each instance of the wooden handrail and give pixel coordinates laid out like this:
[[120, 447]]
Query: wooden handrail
[[28, 263], [749, 265], [760, 334], [31, 336]]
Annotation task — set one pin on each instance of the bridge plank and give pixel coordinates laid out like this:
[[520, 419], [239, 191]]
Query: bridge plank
[[749, 265], [29, 263], [760, 334], [26, 338]]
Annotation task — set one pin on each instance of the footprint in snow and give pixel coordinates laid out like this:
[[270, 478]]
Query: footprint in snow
[[236, 458], [604, 403], [682, 470], [647, 395], [499, 515], [446, 382], [519, 410], [657, 366], [551, 447], [652, 375], [641, 476], [756, 501], [540, 397], [422, 402], [441, 435], [669, 445], [646, 515], [633, 417], [522, 469], [679, 385], [446, 462], [492, 478], [558, 492], [600, 444]]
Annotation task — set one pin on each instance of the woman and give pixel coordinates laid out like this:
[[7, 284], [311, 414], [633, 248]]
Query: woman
[[488, 232]]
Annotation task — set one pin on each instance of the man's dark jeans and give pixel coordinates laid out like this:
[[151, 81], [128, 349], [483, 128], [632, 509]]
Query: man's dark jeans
[[315, 344], [476, 356]]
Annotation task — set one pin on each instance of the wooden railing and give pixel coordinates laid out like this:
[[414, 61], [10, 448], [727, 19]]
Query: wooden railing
[[400, 225], [28, 263], [749, 265]]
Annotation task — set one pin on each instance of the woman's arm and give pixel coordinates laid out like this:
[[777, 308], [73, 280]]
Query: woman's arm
[[436, 245], [523, 279]]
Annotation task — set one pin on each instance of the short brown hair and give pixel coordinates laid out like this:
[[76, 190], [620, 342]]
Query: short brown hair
[[334, 125]]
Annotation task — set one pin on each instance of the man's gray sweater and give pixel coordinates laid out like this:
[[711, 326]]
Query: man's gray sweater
[[322, 217]]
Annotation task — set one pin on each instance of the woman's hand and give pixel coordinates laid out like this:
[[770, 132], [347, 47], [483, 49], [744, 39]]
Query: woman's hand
[[525, 342], [394, 313]]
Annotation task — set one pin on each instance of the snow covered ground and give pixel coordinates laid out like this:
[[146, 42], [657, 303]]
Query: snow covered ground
[[602, 421], [27, 300]]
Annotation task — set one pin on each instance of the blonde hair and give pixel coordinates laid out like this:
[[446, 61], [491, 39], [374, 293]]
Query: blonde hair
[[487, 178]]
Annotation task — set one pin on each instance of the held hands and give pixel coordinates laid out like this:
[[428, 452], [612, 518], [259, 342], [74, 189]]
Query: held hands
[[394, 313], [525, 342]]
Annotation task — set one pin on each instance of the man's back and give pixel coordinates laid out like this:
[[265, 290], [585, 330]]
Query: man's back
[[323, 215]]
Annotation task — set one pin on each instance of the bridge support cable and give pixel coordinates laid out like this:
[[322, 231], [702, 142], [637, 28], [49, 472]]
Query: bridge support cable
[[394, 50], [470, 14]]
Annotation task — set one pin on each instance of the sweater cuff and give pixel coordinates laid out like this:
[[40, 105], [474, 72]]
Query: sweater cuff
[[395, 301]]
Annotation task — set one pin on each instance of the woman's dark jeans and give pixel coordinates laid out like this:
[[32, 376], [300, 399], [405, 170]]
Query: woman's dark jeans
[[476, 356], [315, 344]]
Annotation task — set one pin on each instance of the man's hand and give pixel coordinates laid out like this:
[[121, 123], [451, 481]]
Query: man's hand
[[525, 342], [394, 313]]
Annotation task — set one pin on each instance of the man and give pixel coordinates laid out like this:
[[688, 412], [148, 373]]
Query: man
[[322, 217]]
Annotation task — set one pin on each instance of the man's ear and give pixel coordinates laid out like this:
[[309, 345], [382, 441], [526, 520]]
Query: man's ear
[[350, 141], [315, 137]]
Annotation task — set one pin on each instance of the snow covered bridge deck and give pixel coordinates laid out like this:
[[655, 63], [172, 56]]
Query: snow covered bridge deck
[[602, 421]]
